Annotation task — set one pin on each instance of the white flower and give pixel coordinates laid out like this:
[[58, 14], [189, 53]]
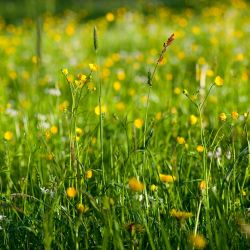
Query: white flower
[[2, 217], [44, 190], [53, 92], [11, 112]]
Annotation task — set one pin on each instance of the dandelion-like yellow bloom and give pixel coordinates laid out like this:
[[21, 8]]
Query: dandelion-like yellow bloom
[[169, 76], [177, 90], [180, 215], [93, 67], [210, 73], [222, 117], [8, 136], [117, 86], [200, 148], [135, 185], [70, 29], [218, 81], [63, 106], [91, 86], [120, 106], [121, 75], [138, 123], [82, 208], [54, 130], [193, 119], [88, 174], [202, 185], [79, 132], [153, 188], [180, 140], [65, 71], [235, 115], [47, 135], [166, 178], [239, 57], [100, 110], [71, 192], [198, 241], [110, 17], [158, 116]]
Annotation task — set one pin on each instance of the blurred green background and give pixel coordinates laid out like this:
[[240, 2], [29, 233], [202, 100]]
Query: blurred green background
[[15, 10]]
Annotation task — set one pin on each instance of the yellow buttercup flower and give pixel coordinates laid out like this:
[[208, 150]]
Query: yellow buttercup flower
[[110, 17], [93, 67], [218, 81], [117, 86], [54, 130], [202, 185], [8, 136], [180, 215], [222, 117], [71, 192], [180, 140], [138, 123], [65, 71], [235, 115], [200, 148], [135, 185], [82, 208], [197, 241], [88, 174], [99, 110], [153, 188], [166, 178], [193, 119]]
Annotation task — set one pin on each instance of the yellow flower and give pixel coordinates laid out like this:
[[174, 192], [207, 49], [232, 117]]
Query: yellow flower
[[79, 131], [117, 86], [180, 140], [177, 90], [169, 76], [63, 106], [218, 81], [166, 178], [88, 174], [193, 119], [99, 110], [71, 192], [180, 215], [202, 185], [200, 148], [153, 188], [82, 208], [120, 106], [138, 123], [65, 71], [8, 136], [91, 86], [222, 117], [121, 75], [235, 115], [135, 185], [70, 29], [93, 67], [210, 73], [110, 17], [47, 135], [54, 130], [158, 116], [239, 57], [197, 241]]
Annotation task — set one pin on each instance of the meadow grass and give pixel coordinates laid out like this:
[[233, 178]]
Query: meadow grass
[[107, 143]]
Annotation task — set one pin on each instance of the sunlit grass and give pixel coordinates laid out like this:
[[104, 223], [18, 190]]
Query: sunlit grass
[[106, 143]]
